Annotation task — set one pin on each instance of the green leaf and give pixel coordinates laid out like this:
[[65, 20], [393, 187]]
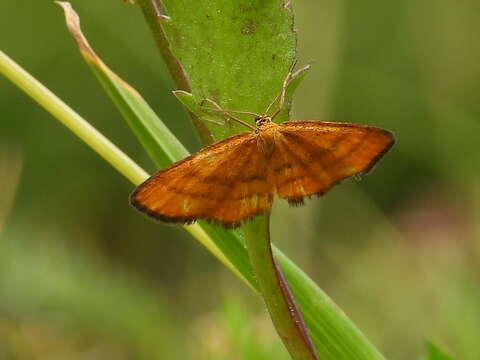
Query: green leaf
[[223, 45], [435, 353]]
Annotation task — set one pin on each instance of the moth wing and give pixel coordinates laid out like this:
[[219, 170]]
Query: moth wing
[[312, 156], [224, 183]]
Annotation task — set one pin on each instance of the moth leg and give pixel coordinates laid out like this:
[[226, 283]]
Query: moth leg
[[217, 109], [220, 123], [227, 114]]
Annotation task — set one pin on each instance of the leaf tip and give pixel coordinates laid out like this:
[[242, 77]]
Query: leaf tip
[[73, 24], [181, 93], [185, 98]]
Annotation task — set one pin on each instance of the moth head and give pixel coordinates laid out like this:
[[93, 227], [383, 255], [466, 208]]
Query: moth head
[[262, 120]]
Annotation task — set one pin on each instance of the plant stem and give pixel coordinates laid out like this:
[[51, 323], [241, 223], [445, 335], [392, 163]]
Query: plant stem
[[274, 288], [68, 117]]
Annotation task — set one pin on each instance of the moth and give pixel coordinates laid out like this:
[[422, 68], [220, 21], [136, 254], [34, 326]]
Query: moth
[[237, 178]]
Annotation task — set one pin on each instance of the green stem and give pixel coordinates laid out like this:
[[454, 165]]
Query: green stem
[[68, 117], [277, 296]]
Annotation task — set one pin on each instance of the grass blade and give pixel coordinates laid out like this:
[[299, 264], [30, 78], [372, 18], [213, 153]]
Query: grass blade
[[149, 129]]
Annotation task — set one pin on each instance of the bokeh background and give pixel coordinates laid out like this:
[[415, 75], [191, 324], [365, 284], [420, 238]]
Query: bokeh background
[[84, 276]]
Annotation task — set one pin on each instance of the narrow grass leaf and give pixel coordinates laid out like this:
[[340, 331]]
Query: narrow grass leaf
[[156, 138]]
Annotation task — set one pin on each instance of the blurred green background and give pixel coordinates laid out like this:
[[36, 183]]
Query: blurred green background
[[84, 276]]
